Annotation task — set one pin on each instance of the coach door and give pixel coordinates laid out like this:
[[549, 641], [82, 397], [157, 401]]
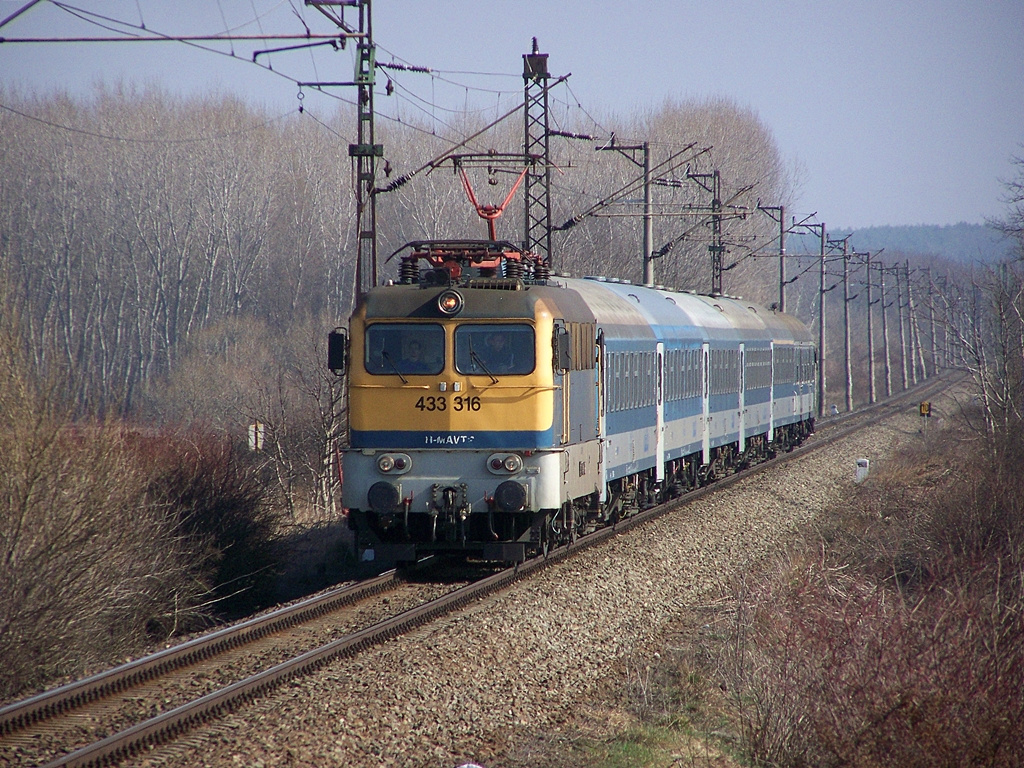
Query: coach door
[[706, 360], [771, 394], [660, 418], [600, 390], [743, 396]]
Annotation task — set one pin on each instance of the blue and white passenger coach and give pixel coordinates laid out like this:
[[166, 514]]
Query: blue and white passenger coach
[[496, 411]]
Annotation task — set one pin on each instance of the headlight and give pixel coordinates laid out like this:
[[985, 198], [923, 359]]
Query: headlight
[[394, 463], [504, 463], [450, 303]]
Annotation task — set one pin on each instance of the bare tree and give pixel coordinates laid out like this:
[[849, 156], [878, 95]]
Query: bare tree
[[1012, 224], [985, 318], [986, 321]]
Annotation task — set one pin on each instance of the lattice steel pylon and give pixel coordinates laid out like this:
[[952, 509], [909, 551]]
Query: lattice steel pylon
[[537, 186], [365, 153]]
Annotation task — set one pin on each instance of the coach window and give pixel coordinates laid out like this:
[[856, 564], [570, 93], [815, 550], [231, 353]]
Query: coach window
[[494, 349], [404, 348], [689, 383], [616, 382], [630, 364]]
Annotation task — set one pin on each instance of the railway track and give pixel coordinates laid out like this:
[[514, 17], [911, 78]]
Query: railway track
[[16, 721], [81, 713]]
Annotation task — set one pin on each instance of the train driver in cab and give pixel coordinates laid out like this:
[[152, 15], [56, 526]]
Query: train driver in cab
[[412, 358], [498, 354]]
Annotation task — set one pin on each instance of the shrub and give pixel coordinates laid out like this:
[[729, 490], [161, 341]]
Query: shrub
[[110, 539], [84, 561], [209, 495]]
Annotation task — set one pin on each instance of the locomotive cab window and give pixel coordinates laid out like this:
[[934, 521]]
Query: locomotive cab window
[[404, 348], [493, 349]]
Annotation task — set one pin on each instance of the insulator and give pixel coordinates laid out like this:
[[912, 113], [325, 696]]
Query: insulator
[[541, 271], [391, 187], [513, 269], [409, 271]]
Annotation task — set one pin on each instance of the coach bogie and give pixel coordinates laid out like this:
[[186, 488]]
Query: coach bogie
[[757, 450]]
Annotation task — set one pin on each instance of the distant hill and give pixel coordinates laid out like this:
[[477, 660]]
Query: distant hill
[[962, 242]]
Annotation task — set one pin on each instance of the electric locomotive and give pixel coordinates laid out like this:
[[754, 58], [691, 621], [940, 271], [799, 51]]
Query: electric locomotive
[[496, 410]]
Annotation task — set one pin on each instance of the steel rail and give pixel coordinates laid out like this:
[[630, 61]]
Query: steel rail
[[57, 701], [175, 722]]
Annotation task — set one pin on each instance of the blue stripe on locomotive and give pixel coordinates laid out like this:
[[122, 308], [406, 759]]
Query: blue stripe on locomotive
[[413, 439]]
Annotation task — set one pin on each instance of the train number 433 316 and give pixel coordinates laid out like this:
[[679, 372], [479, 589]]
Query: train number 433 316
[[441, 403]]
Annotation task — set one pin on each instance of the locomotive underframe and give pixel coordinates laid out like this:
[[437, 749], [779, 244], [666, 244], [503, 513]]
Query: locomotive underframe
[[495, 515]]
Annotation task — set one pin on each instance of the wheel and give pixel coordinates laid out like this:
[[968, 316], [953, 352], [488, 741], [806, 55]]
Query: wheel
[[545, 537]]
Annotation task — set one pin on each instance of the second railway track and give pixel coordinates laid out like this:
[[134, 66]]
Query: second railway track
[[55, 723]]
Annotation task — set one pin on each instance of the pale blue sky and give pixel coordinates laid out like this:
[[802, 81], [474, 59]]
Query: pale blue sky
[[897, 111]]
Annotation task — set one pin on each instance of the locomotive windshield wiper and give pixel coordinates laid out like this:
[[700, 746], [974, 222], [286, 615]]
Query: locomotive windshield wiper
[[384, 354], [476, 359]]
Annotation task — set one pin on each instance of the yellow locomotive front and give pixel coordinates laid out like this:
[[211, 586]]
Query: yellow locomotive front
[[451, 418]]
